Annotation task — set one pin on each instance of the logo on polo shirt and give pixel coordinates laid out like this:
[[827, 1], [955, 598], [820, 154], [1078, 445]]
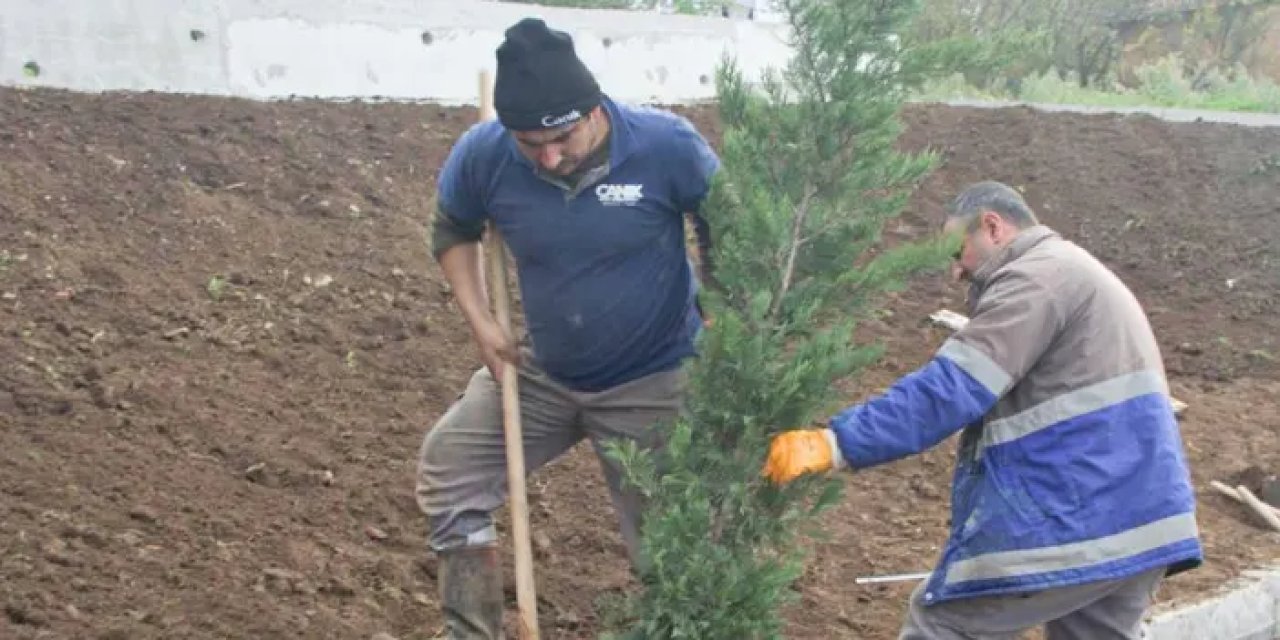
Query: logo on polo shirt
[[555, 121], [619, 195]]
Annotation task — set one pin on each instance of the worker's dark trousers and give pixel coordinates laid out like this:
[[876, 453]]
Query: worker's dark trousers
[[1111, 610], [462, 469]]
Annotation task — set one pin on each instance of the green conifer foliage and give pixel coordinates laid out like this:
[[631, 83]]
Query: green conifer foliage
[[810, 176]]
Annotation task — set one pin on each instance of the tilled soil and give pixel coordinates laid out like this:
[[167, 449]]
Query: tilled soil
[[223, 338]]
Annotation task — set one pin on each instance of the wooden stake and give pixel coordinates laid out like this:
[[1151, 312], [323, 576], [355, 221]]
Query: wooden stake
[[495, 252], [1226, 491], [1259, 507], [1243, 495]]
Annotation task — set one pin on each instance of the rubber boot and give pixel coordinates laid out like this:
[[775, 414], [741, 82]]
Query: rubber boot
[[471, 593]]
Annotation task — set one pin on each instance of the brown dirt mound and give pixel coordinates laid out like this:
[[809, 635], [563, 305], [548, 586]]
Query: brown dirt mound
[[223, 339]]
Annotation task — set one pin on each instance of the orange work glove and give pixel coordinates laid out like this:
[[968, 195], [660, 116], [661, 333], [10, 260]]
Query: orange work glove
[[794, 453]]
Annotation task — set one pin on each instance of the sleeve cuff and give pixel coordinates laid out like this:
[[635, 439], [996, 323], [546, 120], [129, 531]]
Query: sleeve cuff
[[447, 233], [837, 457]]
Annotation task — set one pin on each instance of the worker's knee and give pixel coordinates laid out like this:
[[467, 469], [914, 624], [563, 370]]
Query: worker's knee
[[460, 476], [455, 496], [447, 470], [453, 451], [432, 463], [936, 623], [440, 446]]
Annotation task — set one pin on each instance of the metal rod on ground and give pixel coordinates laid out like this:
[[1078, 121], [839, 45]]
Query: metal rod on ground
[[495, 253], [900, 577]]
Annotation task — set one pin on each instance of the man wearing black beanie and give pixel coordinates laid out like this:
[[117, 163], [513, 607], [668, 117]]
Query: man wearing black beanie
[[591, 197], [541, 82]]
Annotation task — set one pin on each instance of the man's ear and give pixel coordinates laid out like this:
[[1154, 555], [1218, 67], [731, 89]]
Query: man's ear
[[992, 223]]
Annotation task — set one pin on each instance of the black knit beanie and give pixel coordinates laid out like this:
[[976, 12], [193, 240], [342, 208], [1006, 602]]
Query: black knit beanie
[[541, 82]]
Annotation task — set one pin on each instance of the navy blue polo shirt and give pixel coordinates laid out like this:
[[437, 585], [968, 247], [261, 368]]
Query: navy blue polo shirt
[[607, 288]]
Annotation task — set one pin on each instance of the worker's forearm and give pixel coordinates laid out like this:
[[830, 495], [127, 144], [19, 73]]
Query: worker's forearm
[[462, 268], [920, 410]]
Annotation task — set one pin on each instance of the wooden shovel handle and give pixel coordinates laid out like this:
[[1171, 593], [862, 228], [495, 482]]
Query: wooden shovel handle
[[495, 253]]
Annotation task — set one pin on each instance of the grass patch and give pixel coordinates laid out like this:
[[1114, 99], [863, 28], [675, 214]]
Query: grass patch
[[1160, 84]]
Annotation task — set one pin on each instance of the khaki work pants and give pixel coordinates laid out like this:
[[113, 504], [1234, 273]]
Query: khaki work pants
[[462, 469]]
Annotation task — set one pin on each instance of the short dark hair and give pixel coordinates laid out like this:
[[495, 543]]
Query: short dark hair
[[994, 196]]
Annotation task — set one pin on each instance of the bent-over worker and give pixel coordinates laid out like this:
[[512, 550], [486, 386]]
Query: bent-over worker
[[1071, 498]]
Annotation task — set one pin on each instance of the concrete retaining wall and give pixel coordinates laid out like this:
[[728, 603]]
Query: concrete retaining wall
[[1250, 611], [396, 49]]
